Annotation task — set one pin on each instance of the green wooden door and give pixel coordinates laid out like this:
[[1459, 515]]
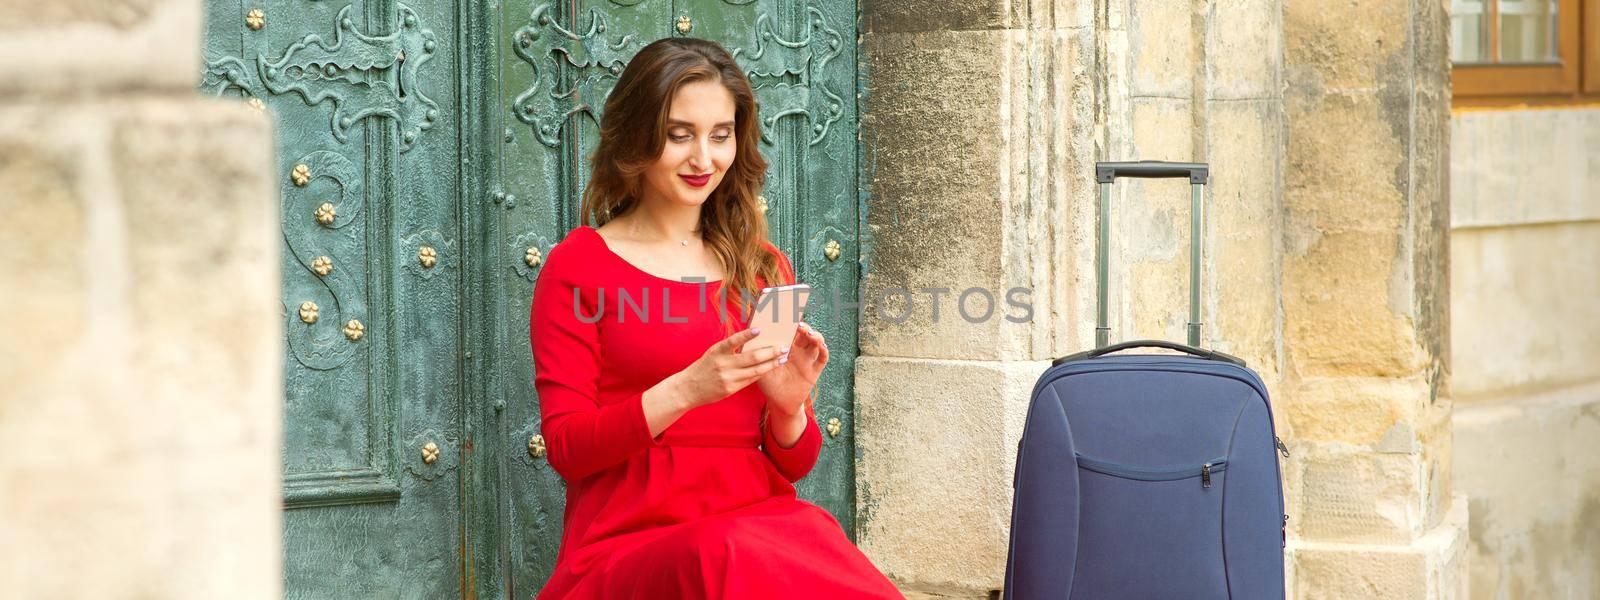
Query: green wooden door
[[554, 64], [430, 154]]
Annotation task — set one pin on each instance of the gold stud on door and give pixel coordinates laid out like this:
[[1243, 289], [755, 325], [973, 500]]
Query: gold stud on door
[[325, 214], [430, 452], [354, 330], [536, 446], [308, 312]]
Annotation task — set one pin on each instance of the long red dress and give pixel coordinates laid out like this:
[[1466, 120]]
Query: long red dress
[[707, 509]]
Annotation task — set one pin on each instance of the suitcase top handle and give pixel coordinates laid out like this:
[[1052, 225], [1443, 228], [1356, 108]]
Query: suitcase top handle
[[1200, 352], [1106, 173]]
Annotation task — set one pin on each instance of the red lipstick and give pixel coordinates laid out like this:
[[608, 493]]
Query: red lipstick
[[696, 180]]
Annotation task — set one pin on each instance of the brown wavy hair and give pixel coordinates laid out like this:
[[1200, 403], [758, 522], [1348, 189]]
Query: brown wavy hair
[[633, 134]]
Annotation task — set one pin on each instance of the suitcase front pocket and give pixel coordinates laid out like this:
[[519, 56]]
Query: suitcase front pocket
[[1205, 471], [1148, 531]]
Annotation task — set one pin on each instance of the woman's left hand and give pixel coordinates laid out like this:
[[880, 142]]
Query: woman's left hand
[[788, 385]]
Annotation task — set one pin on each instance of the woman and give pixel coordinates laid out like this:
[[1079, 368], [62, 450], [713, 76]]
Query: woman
[[679, 471]]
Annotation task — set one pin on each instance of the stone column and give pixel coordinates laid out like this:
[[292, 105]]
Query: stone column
[[1365, 305], [140, 358], [977, 126]]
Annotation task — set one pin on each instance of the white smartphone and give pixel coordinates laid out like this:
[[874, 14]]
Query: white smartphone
[[778, 314]]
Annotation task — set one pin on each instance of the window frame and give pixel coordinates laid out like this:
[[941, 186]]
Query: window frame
[[1573, 79]]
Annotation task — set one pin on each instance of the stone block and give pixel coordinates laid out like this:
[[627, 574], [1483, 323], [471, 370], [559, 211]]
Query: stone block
[[95, 46], [1358, 410], [1347, 309], [1546, 162], [1162, 49], [1343, 166], [143, 413], [1430, 567], [935, 15], [1243, 228], [1244, 50], [1354, 48], [947, 209], [1374, 493], [1523, 307], [937, 446], [1526, 463]]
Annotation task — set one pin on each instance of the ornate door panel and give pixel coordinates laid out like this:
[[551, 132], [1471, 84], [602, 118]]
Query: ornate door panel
[[371, 272], [551, 67]]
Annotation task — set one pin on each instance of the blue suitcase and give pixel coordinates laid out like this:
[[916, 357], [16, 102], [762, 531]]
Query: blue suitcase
[[1148, 475]]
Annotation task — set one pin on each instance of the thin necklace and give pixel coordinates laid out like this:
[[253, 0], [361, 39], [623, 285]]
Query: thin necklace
[[681, 242]]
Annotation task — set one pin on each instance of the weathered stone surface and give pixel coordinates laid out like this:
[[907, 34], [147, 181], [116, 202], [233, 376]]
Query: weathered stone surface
[[1162, 58], [1433, 566], [43, 220], [1527, 464], [1524, 307], [937, 15], [947, 210], [1244, 51], [1511, 167], [92, 46], [142, 405], [937, 446], [1243, 229]]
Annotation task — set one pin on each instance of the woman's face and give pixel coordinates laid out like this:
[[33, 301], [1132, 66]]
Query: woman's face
[[699, 148]]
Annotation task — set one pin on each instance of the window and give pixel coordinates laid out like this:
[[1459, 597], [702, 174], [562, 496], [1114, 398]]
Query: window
[[1509, 52]]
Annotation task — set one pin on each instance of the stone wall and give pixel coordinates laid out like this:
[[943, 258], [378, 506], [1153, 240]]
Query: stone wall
[[140, 359], [1525, 308], [1326, 239], [996, 190]]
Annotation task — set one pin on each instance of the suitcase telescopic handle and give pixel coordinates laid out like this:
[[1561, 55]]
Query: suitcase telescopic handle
[[1106, 173]]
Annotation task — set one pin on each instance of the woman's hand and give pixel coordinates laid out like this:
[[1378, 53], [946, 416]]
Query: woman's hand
[[721, 371], [788, 385]]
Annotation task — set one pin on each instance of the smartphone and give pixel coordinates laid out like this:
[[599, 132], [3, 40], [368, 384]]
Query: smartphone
[[778, 314]]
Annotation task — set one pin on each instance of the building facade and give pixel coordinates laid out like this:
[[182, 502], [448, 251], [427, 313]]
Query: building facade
[[1414, 277]]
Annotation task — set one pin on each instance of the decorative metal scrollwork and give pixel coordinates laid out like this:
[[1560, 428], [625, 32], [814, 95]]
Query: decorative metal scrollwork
[[806, 57], [545, 45], [789, 71], [331, 178], [362, 75]]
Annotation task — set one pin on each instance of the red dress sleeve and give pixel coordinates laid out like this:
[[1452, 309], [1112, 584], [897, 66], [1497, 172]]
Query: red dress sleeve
[[796, 461], [582, 436]]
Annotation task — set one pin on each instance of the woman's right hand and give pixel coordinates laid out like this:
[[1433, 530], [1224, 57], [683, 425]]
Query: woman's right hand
[[721, 371]]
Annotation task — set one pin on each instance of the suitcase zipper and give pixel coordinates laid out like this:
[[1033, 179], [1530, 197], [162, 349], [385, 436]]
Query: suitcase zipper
[[1140, 473]]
